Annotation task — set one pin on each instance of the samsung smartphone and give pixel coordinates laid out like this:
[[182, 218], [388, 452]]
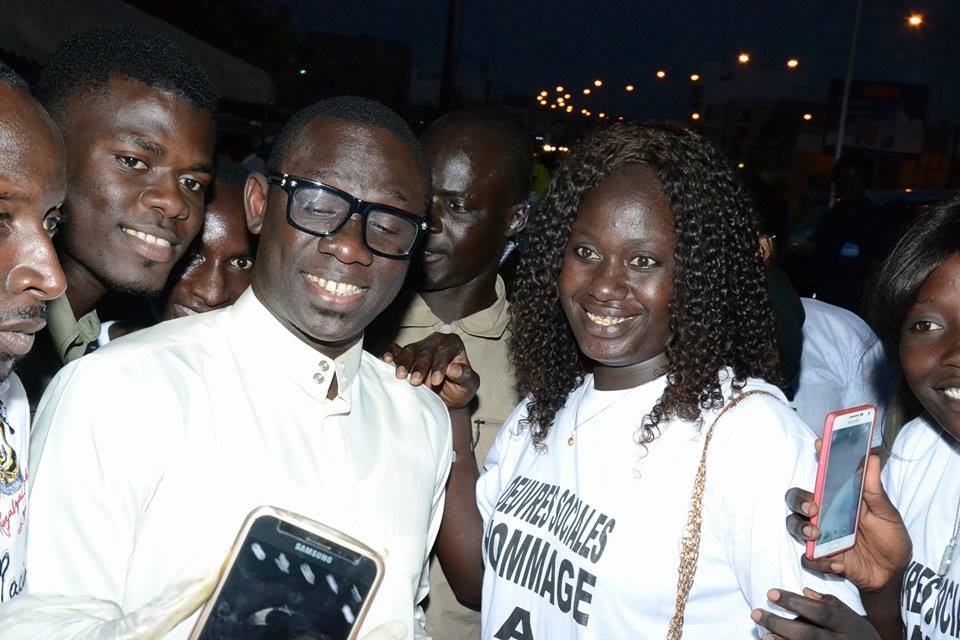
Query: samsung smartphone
[[290, 578], [847, 436]]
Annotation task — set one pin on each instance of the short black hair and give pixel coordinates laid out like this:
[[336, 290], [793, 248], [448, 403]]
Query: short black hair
[[503, 127], [354, 109], [929, 242], [229, 172], [89, 59], [11, 78]]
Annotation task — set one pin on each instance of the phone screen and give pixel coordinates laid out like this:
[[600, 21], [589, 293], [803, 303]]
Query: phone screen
[[844, 479], [287, 585]]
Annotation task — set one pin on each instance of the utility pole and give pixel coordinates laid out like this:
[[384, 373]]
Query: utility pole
[[841, 129], [448, 90]]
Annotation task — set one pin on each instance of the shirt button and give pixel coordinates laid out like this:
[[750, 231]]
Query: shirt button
[[318, 378], [324, 365]]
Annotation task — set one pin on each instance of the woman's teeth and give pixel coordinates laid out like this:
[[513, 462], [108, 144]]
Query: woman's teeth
[[607, 321], [953, 393], [147, 237], [336, 288]]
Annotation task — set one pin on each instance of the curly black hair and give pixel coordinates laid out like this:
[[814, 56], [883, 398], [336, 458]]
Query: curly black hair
[[720, 314]]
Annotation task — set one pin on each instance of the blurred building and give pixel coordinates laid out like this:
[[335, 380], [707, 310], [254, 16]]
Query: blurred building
[[33, 28]]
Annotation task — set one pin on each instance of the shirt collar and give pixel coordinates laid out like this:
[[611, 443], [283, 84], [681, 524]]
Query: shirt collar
[[71, 337], [487, 323], [279, 350]]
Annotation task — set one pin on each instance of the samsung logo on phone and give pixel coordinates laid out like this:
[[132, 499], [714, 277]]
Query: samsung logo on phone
[[314, 553]]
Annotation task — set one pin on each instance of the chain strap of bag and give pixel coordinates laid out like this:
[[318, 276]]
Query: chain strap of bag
[[690, 545]]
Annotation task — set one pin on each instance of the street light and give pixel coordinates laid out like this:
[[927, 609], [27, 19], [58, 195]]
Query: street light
[[586, 92], [303, 72], [566, 96], [740, 165], [694, 77], [915, 19], [598, 83], [601, 115], [569, 108], [743, 58], [808, 117], [793, 63], [543, 93], [553, 106], [629, 88], [661, 74], [694, 116], [559, 88]]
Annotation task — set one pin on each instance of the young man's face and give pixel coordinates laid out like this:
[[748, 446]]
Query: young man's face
[[474, 210], [32, 186], [138, 163], [295, 271], [219, 265]]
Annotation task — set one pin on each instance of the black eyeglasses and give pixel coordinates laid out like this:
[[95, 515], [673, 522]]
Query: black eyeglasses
[[322, 210]]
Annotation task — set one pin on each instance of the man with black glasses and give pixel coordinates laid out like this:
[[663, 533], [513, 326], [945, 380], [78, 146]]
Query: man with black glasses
[[156, 447]]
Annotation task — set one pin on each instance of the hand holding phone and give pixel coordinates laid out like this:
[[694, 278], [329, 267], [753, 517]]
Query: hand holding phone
[[847, 435], [289, 577]]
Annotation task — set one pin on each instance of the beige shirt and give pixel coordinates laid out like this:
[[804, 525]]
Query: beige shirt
[[484, 335], [148, 454], [71, 337]]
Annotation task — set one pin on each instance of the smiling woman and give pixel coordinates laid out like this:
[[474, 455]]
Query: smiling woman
[[640, 318]]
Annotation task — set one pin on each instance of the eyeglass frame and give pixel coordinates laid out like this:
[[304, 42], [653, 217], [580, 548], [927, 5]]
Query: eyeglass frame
[[290, 184]]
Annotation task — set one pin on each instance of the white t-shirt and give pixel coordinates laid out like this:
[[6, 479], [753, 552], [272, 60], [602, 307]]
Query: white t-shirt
[[842, 365], [14, 449], [921, 478], [584, 541]]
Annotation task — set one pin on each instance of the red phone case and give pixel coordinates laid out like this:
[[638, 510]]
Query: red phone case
[[822, 470]]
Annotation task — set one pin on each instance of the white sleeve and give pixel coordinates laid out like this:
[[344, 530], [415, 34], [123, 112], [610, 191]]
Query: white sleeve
[[444, 461], [93, 468], [761, 451]]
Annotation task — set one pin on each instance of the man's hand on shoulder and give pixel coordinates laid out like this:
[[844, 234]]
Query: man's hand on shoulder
[[440, 361]]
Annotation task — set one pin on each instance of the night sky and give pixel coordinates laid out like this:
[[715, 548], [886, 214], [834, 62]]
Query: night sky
[[534, 45]]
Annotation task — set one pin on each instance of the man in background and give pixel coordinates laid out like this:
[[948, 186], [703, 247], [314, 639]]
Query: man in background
[[136, 115], [481, 164]]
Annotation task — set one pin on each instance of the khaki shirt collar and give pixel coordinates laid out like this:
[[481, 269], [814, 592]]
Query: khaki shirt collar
[[71, 337], [487, 323]]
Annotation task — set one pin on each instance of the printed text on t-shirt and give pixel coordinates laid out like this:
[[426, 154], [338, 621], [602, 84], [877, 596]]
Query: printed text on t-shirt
[[933, 599], [555, 566]]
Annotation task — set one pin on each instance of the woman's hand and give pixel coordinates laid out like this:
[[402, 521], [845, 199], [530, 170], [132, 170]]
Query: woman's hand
[[882, 549], [819, 617], [440, 361]]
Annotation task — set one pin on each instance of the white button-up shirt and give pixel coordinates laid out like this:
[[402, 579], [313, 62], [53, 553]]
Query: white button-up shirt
[[14, 451], [156, 447]]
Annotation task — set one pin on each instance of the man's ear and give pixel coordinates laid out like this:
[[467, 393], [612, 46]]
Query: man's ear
[[517, 219], [767, 249], [255, 201]]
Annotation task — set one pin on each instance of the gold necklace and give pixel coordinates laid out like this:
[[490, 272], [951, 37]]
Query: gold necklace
[[656, 366]]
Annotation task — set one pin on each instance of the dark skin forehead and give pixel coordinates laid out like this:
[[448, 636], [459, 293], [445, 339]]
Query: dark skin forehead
[[31, 152], [144, 116], [367, 161], [631, 187], [469, 159]]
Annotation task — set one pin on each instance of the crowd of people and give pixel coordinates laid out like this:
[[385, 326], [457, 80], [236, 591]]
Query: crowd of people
[[617, 441]]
